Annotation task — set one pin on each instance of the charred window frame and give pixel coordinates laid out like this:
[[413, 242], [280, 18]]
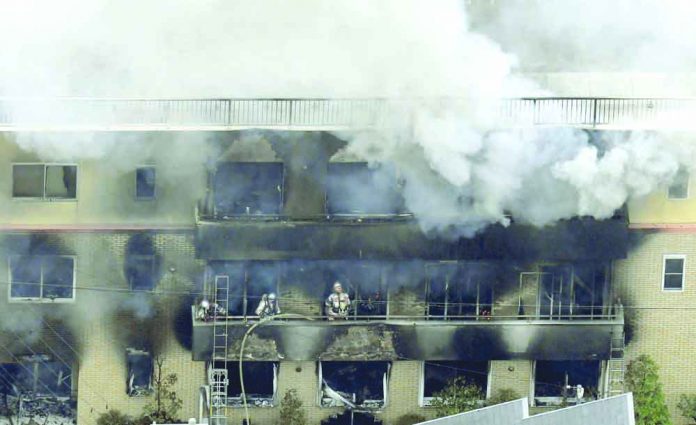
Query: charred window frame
[[141, 271], [356, 384], [555, 382], [248, 189], [43, 278], [140, 368], [248, 282], [261, 391], [679, 188], [145, 183], [347, 183], [453, 293], [436, 375], [364, 282], [590, 289], [40, 375], [42, 181], [673, 267]]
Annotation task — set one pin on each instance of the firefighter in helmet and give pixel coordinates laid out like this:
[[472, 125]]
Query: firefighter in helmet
[[338, 303]]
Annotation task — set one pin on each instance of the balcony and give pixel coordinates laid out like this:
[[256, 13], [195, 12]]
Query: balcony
[[415, 338], [96, 114]]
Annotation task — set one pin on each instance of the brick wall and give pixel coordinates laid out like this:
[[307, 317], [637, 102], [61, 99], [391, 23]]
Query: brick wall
[[661, 324]]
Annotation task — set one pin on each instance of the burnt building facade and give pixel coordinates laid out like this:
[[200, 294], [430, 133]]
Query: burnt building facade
[[112, 259]]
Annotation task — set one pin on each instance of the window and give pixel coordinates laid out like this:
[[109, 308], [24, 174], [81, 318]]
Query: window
[[145, 183], [44, 181], [437, 375], [247, 283], [673, 272], [140, 368], [679, 188], [459, 291], [362, 281], [248, 188], [50, 277], [557, 381], [260, 383], [39, 375], [353, 188], [140, 272], [353, 384]]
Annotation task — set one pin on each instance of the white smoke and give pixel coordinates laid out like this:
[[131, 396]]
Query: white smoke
[[460, 174]]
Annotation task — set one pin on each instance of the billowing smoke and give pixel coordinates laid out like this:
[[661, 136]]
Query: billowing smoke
[[459, 173]]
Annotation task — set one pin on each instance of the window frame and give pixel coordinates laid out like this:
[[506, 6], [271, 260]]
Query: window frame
[[426, 402], [43, 197], [150, 387], [320, 385], [154, 186], [281, 188], [153, 265], [666, 257], [41, 299], [237, 402], [556, 401]]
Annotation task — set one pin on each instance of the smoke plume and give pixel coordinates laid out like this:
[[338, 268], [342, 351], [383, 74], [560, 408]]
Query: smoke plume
[[459, 173]]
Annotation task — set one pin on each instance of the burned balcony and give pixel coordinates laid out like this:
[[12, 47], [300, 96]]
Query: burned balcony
[[419, 310]]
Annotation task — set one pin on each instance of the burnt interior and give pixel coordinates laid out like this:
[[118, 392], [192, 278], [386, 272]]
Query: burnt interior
[[354, 384], [248, 188], [140, 368], [554, 380], [142, 266], [36, 376], [259, 382], [145, 180], [40, 268]]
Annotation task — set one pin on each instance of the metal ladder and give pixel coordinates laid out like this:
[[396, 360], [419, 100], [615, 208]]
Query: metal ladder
[[616, 365], [217, 374]]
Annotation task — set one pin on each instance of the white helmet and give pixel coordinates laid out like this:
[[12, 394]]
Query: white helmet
[[205, 304], [272, 296]]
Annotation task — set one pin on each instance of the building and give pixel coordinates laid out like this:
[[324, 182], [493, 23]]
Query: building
[[107, 261]]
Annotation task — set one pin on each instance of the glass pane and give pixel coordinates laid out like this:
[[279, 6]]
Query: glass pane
[[145, 182], [54, 378], [674, 265], [61, 181], [26, 277], [673, 281], [58, 277], [27, 181]]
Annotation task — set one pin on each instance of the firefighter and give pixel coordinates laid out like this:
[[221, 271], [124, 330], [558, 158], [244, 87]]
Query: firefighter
[[337, 304], [268, 306]]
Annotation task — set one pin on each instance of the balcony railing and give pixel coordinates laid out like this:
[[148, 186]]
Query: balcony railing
[[331, 114]]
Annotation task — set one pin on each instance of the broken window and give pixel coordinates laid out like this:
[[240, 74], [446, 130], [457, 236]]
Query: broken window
[[437, 375], [50, 277], [459, 290], [244, 285], [556, 382], [679, 188], [145, 183], [44, 181], [589, 285], [140, 272], [248, 188], [260, 383], [353, 384], [673, 272], [354, 188], [555, 291], [140, 367], [38, 375], [363, 282]]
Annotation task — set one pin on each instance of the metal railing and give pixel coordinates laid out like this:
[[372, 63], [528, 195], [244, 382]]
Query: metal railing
[[334, 113]]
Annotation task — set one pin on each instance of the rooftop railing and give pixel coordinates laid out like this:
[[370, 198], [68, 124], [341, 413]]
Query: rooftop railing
[[330, 114]]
